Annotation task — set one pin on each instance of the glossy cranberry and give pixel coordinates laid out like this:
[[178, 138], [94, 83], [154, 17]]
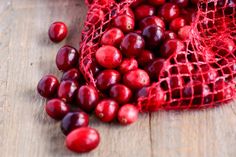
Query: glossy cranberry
[[107, 110], [95, 17], [154, 68], [67, 58], [87, 98], [169, 11], [72, 74], [184, 32], [145, 58], [156, 2], [129, 12], [143, 11], [47, 86], [153, 35], [83, 140], [224, 91], [128, 114], [121, 93], [57, 31], [125, 23], [177, 23], [181, 3], [107, 78], [151, 20], [112, 37], [170, 47], [56, 109], [67, 90], [127, 65], [136, 79], [170, 35]]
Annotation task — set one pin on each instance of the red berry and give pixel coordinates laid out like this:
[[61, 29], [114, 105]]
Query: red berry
[[156, 2], [170, 35], [181, 3], [72, 74], [121, 93], [184, 32], [106, 110], [95, 17], [47, 86], [57, 31], [67, 58], [67, 90], [170, 47], [151, 20], [153, 35], [128, 114], [125, 23], [57, 109], [129, 12], [145, 58], [112, 37], [83, 140], [143, 11], [92, 65], [154, 68], [177, 23], [127, 65], [169, 11]]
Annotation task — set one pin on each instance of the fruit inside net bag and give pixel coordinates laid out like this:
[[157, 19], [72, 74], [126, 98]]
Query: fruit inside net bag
[[196, 71]]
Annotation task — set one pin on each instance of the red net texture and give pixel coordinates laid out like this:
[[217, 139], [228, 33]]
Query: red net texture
[[200, 75]]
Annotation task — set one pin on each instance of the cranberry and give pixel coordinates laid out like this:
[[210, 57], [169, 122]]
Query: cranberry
[[181, 3], [151, 20], [72, 74], [57, 31], [112, 37], [121, 93], [95, 17], [125, 23], [56, 109], [142, 92], [106, 110], [169, 11], [184, 32], [83, 140], [67, 58], [155, 68], [170, 35], [145, 57], [170, 47], [177, 23], [129, 12], [87, 98], [132, 44], [156, 2], [67, 90], [127, 65], [223, 90], [92, 65], [136, 79], [128, 114], [153, 35], [107, 78], [143, 11], [47, 86]]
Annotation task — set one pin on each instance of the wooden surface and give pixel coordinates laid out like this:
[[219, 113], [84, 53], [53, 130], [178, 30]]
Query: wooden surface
[[25, 131]]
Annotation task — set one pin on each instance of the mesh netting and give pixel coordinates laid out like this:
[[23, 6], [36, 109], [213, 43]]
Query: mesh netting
[[200, 76]]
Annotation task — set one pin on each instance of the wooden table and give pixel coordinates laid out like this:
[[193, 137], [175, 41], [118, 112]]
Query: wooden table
[[25, 130]]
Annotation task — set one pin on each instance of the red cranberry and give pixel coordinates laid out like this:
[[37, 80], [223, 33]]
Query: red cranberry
[[156, 2], [177, 23], [125, 23], [129, 12], [47, 86], [127, 65], [112, 37], [95, 17], [170, 35], [184, 32], [181, 3], [143, 11], [170, 47], [121, 93], [57, 31], [67, 90], [145, 58], [223, 90], [87, 98], [107, 110], [205, 72], [142, 92], [153, 35], [57, 109], [151, 20], [83, 140], [136, 79], [107, 78], [92, 65], [155, 68], [67, 58], [169, 11], [128, 114], [132, 44], [72, 74]]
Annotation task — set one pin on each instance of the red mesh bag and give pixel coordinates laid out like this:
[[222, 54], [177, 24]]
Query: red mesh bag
[[199, 76]]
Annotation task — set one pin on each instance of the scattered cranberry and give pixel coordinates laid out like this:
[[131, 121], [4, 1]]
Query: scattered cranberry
[[170, 47], [169, 11], [121, 93], [169, 35], [145, 58], [67, 90], [143, 11], [128, 64], [57, 31], [151, 20], [177, 23], [154, 68], [72, 74], [125, 23], [153, 35], [47, 86], [128, 114], [112, 37], [156, 2]]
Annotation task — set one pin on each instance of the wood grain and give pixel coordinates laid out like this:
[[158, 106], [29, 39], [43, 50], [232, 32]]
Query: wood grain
[[27, 54]]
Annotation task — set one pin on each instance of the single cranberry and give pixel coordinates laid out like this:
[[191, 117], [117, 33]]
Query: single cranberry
[[143, 11], [129, 12], [128, 114], [151, 20], [47, 86], [156, 2], [107, 110], [87, 98], [83, 140], [136, 79], [177, 23], [57, 31], [95, 17], [184, 32], [67, 90], [72, 74], [121, 93], [112, 37], [153, 35], [145, 58], [154, 68], [170, 47], [127, 65], [169, 11], [132, 44], [168, 35], [107, 78], [56, 109], [181, 3], [67, 58], [125, 23], [224, 91]]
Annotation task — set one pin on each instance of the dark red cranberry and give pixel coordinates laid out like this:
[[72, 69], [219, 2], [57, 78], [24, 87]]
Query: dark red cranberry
[[169, 11], [107, 110], [125, 23], [155, 68], [151, 20], [145, 58], [67, 90], [83, 140], [128, 114], [170, 47], [112, 37], [121, 93], [107, 78], [153, 35], [224, 91], [181, 3], [143, 11], [170, 35], [184, 32], [87, 98], [57, 109], [132, 44], [156, 2], [92, 64], [136, 79], [57, 31], [127, 65], [67, 58], [95, 17], [72, 74], [177, 23], [47, 86]]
